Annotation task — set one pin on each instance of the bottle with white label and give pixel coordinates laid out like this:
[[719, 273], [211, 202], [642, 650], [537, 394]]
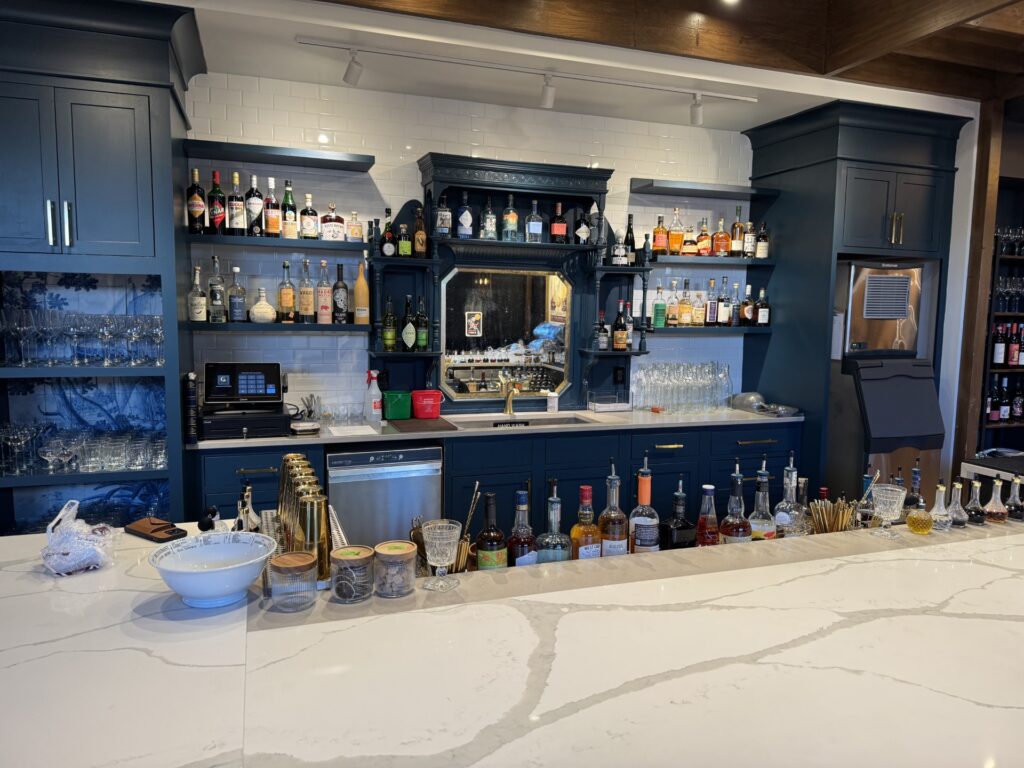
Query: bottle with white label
[[236, 298], [197, 299], [585, 535], [324, 296], [309, 221], [254, 209], [443, 218], [761, 249], [612, 523], [464, 219], [749, 241], [407, 330], [522, 545], [643, 520], [373, 409], [218, 306], [534, 226]]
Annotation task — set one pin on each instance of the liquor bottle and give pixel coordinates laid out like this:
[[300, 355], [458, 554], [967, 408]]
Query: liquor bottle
[[629, 325], [645, 255], [491, 552], [620, 338], [747, 309], [419, 236], [720, 242], [783, 511], [699, 313], [262, 311], [442, 218], [361, 297], [534, 225], [236, 298], [510, 222], [602, 333], [407, 332], [271, 212], [749, 241], [999, 346], [761, 249], [218, 207], [339, 296], [734, 305], [995, 512], [941, 520], [404, 244], [618, 257], [761, 520], [975, 512], [324, 294], [553, 545], [1017, 403], [675, 234], [672, 306], [735, 528], [307, 295], [488, 222], [957, 514], [1014, 506], [660, 247], [724, 304], [994, 402], [689, 242], [677, 532], [390, 327], [659, 311], [332, 224], [585, 535], [560, 228], [685, 305], [707, 523], [286, 296], [1005, 403], [711, 313], [612, 522], [309, 221], [197, 306], [630, 240], [736, 241], [910, 500], [581, 235], [254, 209], [919, 520], [704, 239], [354, 229], [195, 204], [643, 520], [236, 209], [464, 219], [422, 327], [1013, 346], [215, 288], [522, 544], [289, 214], [764, 310]]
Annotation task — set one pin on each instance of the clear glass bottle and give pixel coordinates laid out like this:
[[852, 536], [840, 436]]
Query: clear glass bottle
[[672, 306], [354, 229], [995, 511], [324, 296], [801, 512], [865, 506], [677, 532], [612, 522], [510, 222], [553, 545], [443, 218], [685, 305], [957, 514], [784, 509], [534, 225], [286, 296], [762, 523], [941, 520], [197, 305], [643, 520], [262, 311], [488, 222], [585, 535], [724, 303], [919, 519], [215, 287], [675, 234], [707, 524], [1014, 507], [307, 295], [522, 544], [975, 512], [464, 219], [236, 298], [658, 308], [735, 528]]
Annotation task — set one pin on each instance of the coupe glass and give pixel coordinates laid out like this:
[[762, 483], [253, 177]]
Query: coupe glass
[[888, 507], [441, 539]]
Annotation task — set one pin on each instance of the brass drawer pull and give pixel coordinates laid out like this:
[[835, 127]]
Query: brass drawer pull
[[669, 446], [258, 471], [901, 229], [768, 441]]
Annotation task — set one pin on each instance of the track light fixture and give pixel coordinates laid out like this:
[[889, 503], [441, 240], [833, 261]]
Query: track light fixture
[[697, 110], [353, 71], [547, 94]]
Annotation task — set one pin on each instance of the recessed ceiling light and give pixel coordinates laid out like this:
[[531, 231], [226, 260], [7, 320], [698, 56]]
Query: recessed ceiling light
[[730, 2]]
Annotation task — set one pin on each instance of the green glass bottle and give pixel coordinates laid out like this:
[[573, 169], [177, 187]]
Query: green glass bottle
[[390, 333]]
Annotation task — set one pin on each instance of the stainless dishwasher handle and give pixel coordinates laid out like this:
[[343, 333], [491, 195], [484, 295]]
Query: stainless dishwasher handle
[[67, 224], [390, 472], [51, 235]]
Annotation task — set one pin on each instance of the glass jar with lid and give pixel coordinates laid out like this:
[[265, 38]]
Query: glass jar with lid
[[394, 568], [352, 573], [293, 581]]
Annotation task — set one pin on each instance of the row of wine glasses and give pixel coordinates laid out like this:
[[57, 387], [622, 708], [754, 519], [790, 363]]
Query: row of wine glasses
[[1009, 290], [682, 387], [45, 448], [1010, 241], [49, 337]]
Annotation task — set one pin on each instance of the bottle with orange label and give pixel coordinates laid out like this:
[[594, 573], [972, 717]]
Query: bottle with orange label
[[620, 332], [660, 240], [643, 520]]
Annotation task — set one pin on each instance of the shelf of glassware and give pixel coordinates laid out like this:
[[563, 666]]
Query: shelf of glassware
[[282, 328], [82, 478], [80, 372]]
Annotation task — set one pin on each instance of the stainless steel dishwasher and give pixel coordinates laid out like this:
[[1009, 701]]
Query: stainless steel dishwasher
[[377, 493]]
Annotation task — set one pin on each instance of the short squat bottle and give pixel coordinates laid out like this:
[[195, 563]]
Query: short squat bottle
[[975, 512], [995, 512], [957, 514], [941, 521]]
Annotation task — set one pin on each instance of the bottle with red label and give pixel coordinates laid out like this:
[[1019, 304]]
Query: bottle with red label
[[217, 205], [707, 523], [559, 226], [195, 203], [1013, 346]]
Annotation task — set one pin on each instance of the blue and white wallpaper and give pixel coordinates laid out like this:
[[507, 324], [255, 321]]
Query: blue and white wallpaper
[[114, 503], [83, 292]]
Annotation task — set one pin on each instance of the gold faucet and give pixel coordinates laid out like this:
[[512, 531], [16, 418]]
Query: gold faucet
[[508, 391]]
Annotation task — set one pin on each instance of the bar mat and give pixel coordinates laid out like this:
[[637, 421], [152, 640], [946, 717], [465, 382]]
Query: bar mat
[[423, 425]]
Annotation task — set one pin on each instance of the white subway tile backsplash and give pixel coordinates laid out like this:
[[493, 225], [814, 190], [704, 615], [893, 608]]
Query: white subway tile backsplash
[[243, 82], [227, 128], [242, 114], [206, 109], [225, 96], [260, 99], [304, 90], [288, 103], [210, 79]]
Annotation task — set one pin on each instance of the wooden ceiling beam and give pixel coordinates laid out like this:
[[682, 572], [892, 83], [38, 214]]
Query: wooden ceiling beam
[[1009, 20], [862, 30], [914, 74], [972, 47]]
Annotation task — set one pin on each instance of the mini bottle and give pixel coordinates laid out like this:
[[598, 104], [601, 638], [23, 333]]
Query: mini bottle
[[941, 521], [995, 512], [975, 512], [957, 514]]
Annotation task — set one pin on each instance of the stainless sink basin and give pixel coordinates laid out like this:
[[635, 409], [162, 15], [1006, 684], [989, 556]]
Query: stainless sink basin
[[500, 421]]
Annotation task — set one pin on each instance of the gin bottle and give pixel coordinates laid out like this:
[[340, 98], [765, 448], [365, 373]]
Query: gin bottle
[[236, 298], [442, 218], [957, 514], [464, 219], [612, 522], [534, 225], [307, 295], [197, 306], [488, 222], [643, 520], [995, 512], [784, 509], [510, 222], [218, 308], [553, 545], [941, 521]]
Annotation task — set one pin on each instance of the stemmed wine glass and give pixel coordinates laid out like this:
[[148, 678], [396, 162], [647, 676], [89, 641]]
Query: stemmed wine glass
[[888, 508], [441, 540]]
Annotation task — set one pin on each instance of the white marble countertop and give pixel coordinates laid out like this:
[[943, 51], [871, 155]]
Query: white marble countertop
[[847, 649], [479, 424]]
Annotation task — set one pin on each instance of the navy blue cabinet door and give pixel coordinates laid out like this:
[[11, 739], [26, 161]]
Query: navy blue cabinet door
[[868, 212], [106, 177], [664, 482], [28, 157], [919, 203], [504, 488]]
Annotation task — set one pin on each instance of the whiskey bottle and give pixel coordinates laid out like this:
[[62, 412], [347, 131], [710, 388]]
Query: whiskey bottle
[[215, 287], [685, 305], [660, 247], [689, 242], [289, 215], [488, 222], [534, 225], [630, 240], [442, 218], [553, 545], [581, 235], [419, 236], [560, 228], [218, 207], [339, 296], [761, 249], [361, 297], [332, 224], [262, 311], [672, 306], [195, 203], [699, 308], [464, 219], [720, 242], [197, 299], [236, 298], [736, 242], [612, 522], [324, 296], [629, 325], [602, 332], [619, 335], [707, 524], [286, 292], [408, 332], [643, 520], [236, 209], [422, 327], [675, 234], [585, 535], [354, 230], [735, 528], [704, 239], [491, 552], [764, 310], [711, 314], [254, 209], [271, 212], [677, 532], [749, 241], [747, 309], [658, 309], [307, 296], [761, 521], [389, 333], [510, 222], [309, 221], [522, 545]]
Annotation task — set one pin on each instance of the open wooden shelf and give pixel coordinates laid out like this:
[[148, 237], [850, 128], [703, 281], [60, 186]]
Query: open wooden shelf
[[282, 328], [228, 152], [697, 189], [278, 243]]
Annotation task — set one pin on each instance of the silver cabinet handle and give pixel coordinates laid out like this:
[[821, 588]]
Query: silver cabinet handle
[[51, 236], [892, 230], [67, 224], [901, 228]]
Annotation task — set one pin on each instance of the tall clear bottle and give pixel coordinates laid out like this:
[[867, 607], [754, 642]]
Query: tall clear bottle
[[762, 523], [553, 545], [707, 524], [957, 514], [612, 523], [522, 544], [1014, 507], [675, 234], [197, 304], [286, 296], [995, 511], [735, 528], [307, 295], [236, 298], [941, 521], [254, 209], [215, 287], [975, 512], [510, 222], [785, 509], [464, 219], [643, 520], [324, 296], [677, 532], [534, 225], [585, 535]]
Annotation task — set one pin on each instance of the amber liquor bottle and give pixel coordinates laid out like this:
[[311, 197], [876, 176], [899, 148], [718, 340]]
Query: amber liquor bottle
[[736, 242], [491, 552], [522, 545], [613, 523]]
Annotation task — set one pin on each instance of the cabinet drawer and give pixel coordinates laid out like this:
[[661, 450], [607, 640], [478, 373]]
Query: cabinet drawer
[[666, 446], [227, 503], [748, 441], [470, 455], [580, 451], [227, 472]]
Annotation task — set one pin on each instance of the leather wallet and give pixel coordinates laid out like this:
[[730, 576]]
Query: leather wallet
[[155, 529]]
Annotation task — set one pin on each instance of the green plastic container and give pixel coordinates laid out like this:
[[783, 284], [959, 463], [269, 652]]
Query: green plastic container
[[397, 405]]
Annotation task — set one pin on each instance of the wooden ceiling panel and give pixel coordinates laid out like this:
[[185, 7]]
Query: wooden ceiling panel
[[973, 47], [1009, 20], [911, 73]]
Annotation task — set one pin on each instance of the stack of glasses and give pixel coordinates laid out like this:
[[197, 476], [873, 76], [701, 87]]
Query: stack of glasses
[[682, 387], [37, 449]]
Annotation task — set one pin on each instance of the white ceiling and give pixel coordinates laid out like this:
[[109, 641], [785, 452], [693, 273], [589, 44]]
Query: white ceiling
[[265, 47]]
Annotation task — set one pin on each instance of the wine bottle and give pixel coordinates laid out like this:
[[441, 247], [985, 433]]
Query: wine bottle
[[195, 202]]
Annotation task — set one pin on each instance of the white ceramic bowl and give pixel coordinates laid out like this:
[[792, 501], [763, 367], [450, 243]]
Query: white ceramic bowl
[[213, 569]]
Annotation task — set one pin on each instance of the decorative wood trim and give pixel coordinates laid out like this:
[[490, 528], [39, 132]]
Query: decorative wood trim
[[538, 177]]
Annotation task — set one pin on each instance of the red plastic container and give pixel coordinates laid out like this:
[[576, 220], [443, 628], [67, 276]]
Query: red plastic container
[[426, 403]]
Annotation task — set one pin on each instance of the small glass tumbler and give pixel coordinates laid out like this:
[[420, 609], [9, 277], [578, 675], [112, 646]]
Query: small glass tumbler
[[352, 573], [293, 581]]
